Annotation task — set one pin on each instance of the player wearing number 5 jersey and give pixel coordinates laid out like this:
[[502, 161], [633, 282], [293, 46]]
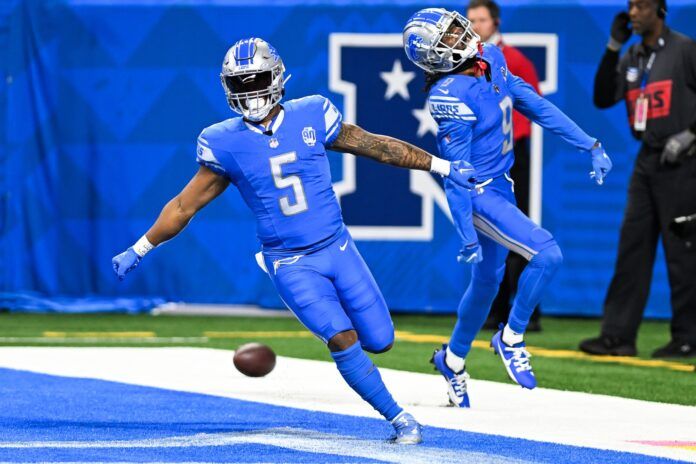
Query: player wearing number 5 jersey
[[276, 157], [471, 97]]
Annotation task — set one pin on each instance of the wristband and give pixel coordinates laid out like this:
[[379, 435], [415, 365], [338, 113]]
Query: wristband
[[440, 166], [143, 246]]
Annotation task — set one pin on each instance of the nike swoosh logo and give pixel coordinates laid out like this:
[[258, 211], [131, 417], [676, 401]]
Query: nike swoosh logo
[[446, 92], [343, 247]]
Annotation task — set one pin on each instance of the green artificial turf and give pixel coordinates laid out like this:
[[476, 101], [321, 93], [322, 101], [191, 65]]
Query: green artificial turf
[[640, 382]]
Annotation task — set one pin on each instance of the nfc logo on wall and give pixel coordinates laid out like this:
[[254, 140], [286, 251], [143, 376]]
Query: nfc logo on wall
[[383, 92]]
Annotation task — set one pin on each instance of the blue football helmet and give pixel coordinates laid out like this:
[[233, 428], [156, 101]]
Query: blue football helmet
[[438, 40], [253, 78]]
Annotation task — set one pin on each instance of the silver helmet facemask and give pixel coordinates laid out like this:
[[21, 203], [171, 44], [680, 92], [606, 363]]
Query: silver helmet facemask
[[426, 40], [253, 78]]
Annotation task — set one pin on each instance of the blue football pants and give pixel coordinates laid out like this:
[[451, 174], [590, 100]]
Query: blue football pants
[[332, 291], [501, 227]]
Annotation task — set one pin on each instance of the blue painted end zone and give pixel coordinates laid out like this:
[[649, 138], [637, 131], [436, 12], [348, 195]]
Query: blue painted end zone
[[37, 407]]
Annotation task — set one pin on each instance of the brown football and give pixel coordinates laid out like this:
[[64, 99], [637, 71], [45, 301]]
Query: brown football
[[254, 359]]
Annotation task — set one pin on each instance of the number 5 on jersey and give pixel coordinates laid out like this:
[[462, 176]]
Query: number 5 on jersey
[[293, 181]]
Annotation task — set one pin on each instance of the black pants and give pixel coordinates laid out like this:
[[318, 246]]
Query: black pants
[[656, 194], [515, 264]]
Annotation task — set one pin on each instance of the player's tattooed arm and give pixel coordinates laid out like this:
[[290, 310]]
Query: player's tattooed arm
[[176, 214], [356, 140]]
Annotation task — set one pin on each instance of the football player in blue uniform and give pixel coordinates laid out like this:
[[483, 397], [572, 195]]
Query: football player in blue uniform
[[471, 95], [276, 157]]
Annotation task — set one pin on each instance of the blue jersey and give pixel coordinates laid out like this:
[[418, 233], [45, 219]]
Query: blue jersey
[[474, 116], [282, 173]]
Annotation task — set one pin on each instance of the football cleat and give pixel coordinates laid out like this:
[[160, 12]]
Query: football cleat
[[456, 382], [515, 359], [407, 430]]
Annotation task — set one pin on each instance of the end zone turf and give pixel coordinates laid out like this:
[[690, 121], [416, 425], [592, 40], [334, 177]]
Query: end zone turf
[[505, 423]]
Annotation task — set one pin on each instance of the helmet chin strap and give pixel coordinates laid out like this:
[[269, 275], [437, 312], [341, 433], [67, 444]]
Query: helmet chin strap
[[480, 66]]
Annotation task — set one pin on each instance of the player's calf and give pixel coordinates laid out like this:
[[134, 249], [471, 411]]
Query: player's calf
[[364, 378]]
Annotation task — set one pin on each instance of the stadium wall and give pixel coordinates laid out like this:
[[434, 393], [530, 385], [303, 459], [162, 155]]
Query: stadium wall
[[102, 102]]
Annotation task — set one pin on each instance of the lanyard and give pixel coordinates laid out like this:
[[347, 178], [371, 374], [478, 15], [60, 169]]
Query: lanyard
[[646, 72]]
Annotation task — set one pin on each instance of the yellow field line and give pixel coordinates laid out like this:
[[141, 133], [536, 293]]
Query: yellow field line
[[260, 334], [549, 353], [100, 334], [402, 336]]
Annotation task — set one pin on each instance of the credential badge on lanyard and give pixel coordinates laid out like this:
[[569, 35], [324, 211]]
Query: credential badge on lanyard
[[640, 116]]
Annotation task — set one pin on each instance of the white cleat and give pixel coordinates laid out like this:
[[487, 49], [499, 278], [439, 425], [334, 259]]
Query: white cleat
[[408, 430]]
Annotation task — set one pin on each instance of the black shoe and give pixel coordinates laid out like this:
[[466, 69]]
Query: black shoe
[[534, 325], [675, 349], [491, 323], [608, 345]]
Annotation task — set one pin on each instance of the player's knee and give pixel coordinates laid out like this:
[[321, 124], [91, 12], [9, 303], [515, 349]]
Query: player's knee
[[380, 345], [343, 340], [383, 349], [550, 258]]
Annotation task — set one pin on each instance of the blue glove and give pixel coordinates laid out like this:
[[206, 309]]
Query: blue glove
[[601, 164], [470, 254], [462, 174], [125, 262]]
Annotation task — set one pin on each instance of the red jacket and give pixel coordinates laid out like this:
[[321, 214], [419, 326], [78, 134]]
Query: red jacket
[[520, 66]]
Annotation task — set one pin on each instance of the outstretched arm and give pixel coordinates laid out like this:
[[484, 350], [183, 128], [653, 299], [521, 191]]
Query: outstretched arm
[[546, 114], [356, 140], [384, 149], [176, 214], [204, 187]]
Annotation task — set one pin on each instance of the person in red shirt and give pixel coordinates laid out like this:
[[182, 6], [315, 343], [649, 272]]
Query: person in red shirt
[[485, 18]]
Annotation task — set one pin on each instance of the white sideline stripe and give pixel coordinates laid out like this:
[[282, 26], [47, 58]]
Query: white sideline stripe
[[304, 440], [571, 418], [190, 309]]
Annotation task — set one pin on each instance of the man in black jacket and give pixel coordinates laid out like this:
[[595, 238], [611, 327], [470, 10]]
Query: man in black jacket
[[657, 79]]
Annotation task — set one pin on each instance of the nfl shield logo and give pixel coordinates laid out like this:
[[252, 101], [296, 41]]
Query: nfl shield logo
[[309, 136]]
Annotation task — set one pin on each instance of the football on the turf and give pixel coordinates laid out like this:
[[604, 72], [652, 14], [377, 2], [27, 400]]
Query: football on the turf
[[254, 359]]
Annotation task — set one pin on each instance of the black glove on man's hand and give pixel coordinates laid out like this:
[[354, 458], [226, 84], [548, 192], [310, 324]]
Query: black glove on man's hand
[[677, 145], [620, 29]]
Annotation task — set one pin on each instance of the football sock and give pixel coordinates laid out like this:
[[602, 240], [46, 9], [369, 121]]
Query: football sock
[[453, 361], [510, 337], [362, 375]]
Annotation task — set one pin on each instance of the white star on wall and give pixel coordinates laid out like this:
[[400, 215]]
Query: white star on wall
[[397, 81], [426, 123]]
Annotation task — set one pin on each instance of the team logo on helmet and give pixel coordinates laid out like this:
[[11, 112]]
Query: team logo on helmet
[[414, 43]]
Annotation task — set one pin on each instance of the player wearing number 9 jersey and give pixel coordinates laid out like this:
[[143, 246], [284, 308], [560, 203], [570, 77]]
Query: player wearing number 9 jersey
[[276, 157], [471, 95]]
